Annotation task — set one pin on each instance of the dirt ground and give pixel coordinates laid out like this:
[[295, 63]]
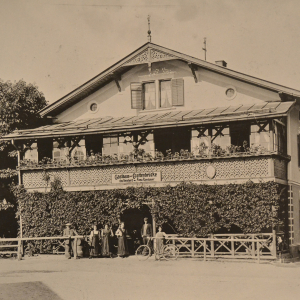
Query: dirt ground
[[54, 277]]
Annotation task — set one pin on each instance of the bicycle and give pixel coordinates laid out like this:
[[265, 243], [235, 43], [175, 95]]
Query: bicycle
[[168, 252]]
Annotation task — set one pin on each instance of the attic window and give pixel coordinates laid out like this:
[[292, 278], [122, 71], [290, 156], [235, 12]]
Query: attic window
[[230, 93], [93, 107]]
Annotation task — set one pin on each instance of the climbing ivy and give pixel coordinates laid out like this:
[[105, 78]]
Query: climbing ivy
[[190, 209]]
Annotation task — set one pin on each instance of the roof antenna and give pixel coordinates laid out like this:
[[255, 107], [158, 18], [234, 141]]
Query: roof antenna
[[149, 31], [204, 48]]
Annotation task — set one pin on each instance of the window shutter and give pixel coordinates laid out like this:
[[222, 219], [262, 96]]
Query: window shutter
[[177, 91], [136, 95]]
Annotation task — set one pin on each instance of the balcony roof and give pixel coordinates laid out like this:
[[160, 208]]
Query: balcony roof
[[170, 118]]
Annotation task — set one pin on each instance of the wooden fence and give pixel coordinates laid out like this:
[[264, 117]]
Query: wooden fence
[[252, 246], [15, 245]]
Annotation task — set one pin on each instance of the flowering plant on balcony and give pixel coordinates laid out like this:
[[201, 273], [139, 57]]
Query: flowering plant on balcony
[[158, 155], [139, 155]]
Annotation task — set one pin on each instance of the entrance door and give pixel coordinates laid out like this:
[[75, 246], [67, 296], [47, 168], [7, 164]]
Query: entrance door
[[133, 219]]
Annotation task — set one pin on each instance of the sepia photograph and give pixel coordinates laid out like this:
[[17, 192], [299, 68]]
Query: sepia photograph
[[149, 149]]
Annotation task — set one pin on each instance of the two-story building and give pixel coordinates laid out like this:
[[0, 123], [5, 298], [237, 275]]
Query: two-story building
[[159, 117]]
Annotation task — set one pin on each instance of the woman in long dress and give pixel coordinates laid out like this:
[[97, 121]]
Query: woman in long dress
[[122, 241], [106, 233], [160, 238], [94, 242]]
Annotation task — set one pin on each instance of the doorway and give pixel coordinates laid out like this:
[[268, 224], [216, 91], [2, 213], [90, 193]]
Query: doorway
[[133, 219]]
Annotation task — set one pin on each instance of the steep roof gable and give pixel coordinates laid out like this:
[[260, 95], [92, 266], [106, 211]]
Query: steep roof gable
[[148, 54]]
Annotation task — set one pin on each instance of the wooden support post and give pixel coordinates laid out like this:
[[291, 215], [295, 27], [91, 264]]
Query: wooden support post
[[253, 248], [209, 138], [19, 250], [271, 142], [193, 247], [204, 257], [232, 246], [75, 248]]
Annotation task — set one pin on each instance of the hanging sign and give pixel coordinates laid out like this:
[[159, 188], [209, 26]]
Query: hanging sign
[[136, 177]]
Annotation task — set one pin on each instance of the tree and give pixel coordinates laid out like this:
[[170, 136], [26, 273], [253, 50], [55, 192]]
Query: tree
[[20, 104]]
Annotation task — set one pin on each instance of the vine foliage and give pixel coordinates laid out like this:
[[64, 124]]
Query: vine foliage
[[190, 209]]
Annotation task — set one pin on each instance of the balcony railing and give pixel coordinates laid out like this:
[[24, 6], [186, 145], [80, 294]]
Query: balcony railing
[[99, 174]]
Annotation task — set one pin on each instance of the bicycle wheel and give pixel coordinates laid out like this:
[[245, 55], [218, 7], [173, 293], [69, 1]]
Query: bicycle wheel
[[170, 252], [143, 252]]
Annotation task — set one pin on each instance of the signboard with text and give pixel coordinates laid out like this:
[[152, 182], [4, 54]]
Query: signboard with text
[[136, 177]]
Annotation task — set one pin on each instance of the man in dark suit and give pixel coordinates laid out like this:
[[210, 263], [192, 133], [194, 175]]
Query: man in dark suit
[[146, 231]]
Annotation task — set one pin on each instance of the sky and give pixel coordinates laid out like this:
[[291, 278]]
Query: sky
[[60, 44]]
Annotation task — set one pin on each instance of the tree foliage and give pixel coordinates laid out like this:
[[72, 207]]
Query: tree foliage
[[19, 105], [191, 209]]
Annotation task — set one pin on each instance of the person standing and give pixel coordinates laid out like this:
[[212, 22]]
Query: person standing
[[122, 241], [94, 242], [160, 238], [106, 234], [146, 231], [69, 243]]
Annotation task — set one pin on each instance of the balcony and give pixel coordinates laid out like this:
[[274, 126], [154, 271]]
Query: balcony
[[159, 171]]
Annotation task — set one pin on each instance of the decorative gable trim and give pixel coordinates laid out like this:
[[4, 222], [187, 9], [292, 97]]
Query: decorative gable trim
[[149, 55], [142, 58], [158, 55]]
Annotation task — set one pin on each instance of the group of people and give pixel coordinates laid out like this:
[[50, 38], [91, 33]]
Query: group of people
[[104, 237]]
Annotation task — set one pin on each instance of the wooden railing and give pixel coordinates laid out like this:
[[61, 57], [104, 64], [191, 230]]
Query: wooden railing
[[254, 246], [17, 247]]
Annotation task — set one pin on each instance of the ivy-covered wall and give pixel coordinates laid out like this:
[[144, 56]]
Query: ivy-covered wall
[[191, 209]]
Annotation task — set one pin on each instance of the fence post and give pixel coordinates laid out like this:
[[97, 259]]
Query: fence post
[[204, 250], [253, 248], [232, 246], [19, 250], [212, 247], [274, 244], [75, 248], [258, 250], [193, 247]]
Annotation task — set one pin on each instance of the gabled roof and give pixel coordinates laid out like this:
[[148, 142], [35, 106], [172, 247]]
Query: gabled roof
[[158, 120], [152, 52]]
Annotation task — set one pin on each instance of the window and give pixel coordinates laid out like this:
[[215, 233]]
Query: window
[[149, 95], [32, 153], [116, 145], [78, 155], [260, 135], [60, 154], [110, 145], [230, 93], [165, 93], [93, 107], [157, 94], [279, 136]]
